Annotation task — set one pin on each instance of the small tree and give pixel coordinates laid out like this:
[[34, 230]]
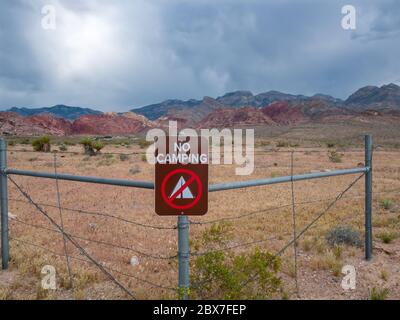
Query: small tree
[[42, 144], [88, 147], [97, 145], [91, 147]]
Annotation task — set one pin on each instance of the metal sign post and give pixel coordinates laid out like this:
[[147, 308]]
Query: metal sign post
[[181, 188]]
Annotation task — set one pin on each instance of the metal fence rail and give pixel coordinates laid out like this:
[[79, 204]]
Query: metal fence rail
[[183, 223]]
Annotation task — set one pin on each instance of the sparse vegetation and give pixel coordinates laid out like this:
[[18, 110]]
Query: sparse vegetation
[[108, 160], [134, 170], [327, 261], [386, 237], [5, 293], [42, 144], [123, 157], [91, 148], [143, 143], [226, 275], [384, 275], [379, 293], [386, 203], [335, 156], [343, 235], [282, 144], [63, 148]]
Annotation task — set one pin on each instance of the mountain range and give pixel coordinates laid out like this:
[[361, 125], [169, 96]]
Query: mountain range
[[239, 108]]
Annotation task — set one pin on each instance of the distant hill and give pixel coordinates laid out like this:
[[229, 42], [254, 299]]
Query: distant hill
[[236, 99], [59, 111], [384, 98], [238, 108]]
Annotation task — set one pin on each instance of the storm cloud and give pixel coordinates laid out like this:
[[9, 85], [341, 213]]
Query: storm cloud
[[125, 54]]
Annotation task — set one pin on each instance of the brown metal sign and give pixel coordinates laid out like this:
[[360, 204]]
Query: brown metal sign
[[181, 176]]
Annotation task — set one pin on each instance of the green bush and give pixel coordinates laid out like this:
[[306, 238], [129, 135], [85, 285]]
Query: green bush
[[223, 274], [379, 294], [335, 156], [42, 144], [91, 147], [386, 237], [98, 145], [386, 203], [69, 143], [343, 235], [63, 147]]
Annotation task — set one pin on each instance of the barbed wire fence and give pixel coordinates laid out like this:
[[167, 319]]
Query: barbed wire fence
[[110, 272]]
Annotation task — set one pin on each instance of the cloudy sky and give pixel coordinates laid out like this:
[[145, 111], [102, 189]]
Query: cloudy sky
[[116, 55]]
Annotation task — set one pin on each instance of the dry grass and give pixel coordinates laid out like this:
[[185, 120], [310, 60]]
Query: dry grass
[[137, 205]]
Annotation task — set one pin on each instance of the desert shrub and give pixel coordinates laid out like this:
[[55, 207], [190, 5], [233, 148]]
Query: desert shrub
[[330, 145], [143, 143], [25, 141], [42, 144], [134, 170], [107, 160], [87, 147], [386, 203], [63, 147], [143, 157], [379, 294], [11, 143], [123, 157], [282, 144], [69, 143], [274, 174], [5, 293], [220, 274], [98, 146], [91, 147], [386, 237], [335, 156], [343, 235]]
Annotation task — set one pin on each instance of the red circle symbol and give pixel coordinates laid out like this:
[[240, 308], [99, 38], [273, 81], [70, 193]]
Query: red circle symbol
[[193, 177]]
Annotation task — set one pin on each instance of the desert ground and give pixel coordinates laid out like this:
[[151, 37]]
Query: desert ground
[[259, 217]]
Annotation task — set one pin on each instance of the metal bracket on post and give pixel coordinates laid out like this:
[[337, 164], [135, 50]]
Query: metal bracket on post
[[4, 205], [183, 256], [368, 197]]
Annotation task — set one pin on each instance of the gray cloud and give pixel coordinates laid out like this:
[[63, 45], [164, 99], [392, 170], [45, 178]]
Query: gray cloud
[[129, 53]]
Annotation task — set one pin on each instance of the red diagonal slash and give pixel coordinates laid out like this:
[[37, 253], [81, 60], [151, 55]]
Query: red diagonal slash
[[180, 190]]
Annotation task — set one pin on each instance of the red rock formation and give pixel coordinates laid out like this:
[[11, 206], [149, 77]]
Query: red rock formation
[[282, 113], [129, 123], [110, 124], [14, 124]]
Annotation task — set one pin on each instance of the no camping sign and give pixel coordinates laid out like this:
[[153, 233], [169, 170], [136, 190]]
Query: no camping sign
[[181, 176]]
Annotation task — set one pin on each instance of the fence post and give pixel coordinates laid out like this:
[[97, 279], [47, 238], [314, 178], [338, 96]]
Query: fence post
[[183, 256], [4, 205], [368, 197]]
